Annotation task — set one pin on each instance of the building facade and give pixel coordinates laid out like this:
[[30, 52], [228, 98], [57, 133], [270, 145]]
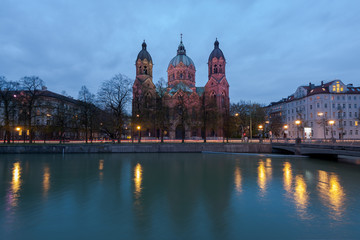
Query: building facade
[[191, 111], [327, 110]]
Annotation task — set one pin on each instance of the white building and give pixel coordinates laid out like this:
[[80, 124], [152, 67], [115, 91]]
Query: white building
[[315, 106]]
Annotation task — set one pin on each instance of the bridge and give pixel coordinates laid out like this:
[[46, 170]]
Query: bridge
[[317, 150]]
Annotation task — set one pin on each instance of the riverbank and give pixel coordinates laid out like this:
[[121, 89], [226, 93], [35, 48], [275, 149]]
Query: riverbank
[[138, 148]]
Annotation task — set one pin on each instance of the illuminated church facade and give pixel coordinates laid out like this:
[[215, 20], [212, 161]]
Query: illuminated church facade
[[181, 110]]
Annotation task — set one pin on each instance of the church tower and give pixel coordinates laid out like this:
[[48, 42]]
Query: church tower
[[217, 87], [144, 92]]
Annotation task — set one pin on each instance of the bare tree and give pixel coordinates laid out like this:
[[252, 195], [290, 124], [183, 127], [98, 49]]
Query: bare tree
[[87, 112], [182, 113], [8, 103], [115, 95], [162, 111], [32, 87]]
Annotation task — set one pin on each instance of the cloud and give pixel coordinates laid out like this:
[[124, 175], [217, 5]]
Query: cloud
[[271, 47]]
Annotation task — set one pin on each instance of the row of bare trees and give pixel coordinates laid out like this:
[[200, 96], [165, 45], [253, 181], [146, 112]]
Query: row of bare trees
[[24, 102]]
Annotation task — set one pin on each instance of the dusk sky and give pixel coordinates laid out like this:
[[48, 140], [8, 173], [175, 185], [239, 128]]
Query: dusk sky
[[271, 47]]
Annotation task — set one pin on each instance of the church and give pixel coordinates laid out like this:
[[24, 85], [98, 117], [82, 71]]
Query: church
[[178, 109]]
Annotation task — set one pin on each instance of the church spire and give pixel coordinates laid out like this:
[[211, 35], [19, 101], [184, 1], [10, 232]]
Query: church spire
[[181, 49]]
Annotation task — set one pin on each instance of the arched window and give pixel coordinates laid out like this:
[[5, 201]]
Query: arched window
[[223, 99], [145, 70], [215, 69], [173, 76], [140, 70], [181, 75]]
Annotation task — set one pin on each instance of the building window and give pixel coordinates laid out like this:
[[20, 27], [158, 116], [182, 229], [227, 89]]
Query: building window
[[344, 114], [317, 105], [310, 106], [350, 132], [356, 132], [344, 123], [349, 97], [311, 124], [344, 105], [349, 105], [333, 105], [350, 114], [325, 105], [356, 114], [355, 105], [350, 123], [311, 115]]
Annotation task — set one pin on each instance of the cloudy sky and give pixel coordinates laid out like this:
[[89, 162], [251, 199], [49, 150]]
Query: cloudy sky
[[271, 47]]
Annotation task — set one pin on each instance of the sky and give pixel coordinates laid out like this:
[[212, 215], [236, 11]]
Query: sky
[[271, 47]]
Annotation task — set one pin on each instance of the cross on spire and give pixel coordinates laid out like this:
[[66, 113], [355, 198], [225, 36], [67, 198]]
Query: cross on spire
[[181, 37]]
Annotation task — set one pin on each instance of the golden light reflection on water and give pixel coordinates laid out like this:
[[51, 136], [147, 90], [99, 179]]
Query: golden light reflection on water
[[101, 164], [268, 168], [101, 168], [15, 184], [262, 177], [332, 194], [287, 176], [138, 179], [46, 180], [238, 179], [301, 196]]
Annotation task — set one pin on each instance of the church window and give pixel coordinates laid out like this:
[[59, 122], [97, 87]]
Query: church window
[[215, 69], [139, 69], [189, 76], [173, 76], [145, 70], [181, 75]]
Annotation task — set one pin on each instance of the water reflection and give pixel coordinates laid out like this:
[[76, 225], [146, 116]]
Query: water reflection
[[15, 184], [301, 196], [137, 179], [268, 168], [287, 177], [238, 179], [332, 194], [46, 180], [101, 167], [262, 177]]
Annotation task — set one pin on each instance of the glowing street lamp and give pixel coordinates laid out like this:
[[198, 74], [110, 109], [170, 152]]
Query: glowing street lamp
[[139, 128], [298, 139], [332, 122]]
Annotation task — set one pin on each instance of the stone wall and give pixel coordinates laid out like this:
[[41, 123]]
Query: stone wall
[[138, 148]]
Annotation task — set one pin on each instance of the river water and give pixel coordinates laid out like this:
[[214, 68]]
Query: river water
[[177, 196]]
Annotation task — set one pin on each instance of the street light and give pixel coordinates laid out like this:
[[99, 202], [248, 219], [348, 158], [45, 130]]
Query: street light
[[260, 128], [332, 122], [139, 128], [298, 139]]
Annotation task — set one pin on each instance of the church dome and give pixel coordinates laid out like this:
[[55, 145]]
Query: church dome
[[181, 57], [216, 53], [144, 54]]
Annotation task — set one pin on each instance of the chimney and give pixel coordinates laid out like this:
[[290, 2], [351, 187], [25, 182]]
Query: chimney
[[322, 83]]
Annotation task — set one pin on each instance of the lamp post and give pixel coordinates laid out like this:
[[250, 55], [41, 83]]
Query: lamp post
[[285, 131], [260, 128], [332, 122], [139, 128], [298, 139], [322, 121]]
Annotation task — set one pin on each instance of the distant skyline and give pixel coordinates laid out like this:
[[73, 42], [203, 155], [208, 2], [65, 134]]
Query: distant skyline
[[271, 47]]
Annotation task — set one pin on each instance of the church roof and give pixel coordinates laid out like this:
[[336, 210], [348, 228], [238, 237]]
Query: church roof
[[144, 54], [180, 86], [216, 53], [181, 57]]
